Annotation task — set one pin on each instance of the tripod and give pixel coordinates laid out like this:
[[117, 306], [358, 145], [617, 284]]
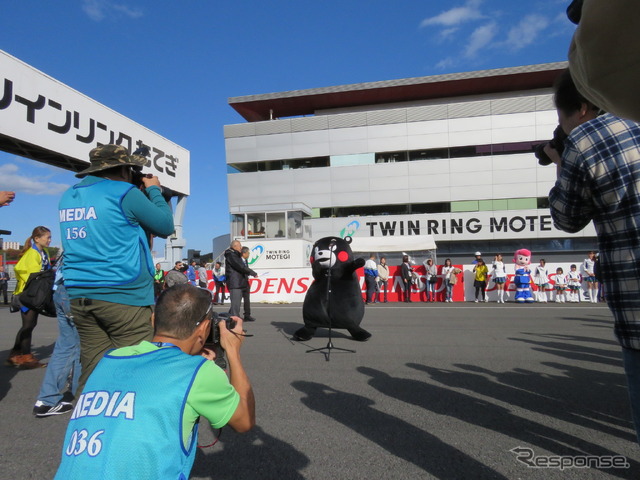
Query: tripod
[[327, 350]]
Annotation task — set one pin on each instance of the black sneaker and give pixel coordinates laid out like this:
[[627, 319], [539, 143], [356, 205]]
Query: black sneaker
[[41, 410], [249, 318]]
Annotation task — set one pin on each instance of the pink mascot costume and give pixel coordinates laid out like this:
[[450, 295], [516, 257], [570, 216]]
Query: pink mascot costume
[[522, 278]]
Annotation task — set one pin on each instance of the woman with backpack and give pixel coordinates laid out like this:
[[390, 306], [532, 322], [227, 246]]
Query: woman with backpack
[[33, 259]]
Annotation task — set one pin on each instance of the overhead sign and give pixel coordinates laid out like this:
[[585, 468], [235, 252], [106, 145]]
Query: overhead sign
[[446, 227], [39, 110]]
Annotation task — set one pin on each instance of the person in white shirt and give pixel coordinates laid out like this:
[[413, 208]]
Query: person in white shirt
[[541, 279], [432, 278], [449, 279], [560, 285], [218, 278], [370, 278], [574, 280], [590, 277], [383, 277], [499, 276]]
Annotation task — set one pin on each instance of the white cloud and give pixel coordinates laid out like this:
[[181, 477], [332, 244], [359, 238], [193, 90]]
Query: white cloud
[[12, 179], [526, 31], [98, 10], [456, 16], [447, 33], [480, 38], [445, 63]]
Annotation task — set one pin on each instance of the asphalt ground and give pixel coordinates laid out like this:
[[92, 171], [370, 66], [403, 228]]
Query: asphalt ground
[[442, 391]]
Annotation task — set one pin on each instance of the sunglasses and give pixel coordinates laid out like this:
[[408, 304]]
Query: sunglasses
[[207, 315]]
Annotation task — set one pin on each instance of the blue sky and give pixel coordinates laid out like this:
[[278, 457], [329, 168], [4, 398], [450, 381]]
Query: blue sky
[[171, 66]]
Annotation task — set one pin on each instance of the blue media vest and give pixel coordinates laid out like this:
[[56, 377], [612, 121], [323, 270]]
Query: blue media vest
[[101, 247], [127, 422]]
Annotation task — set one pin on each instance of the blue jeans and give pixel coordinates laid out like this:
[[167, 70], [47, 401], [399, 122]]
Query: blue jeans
[[449, 288], [65, 359], [631, 360]]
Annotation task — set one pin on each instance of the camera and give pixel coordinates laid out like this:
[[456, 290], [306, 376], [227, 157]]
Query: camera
[[557, 143], [144, 151], [213, 340]]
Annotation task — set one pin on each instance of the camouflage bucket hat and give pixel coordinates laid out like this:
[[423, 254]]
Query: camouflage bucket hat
[[109, 156]]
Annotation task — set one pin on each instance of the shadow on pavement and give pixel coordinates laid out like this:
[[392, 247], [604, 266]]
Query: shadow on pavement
[[248, 456], [8, 372], [484, 414], [398, 437]]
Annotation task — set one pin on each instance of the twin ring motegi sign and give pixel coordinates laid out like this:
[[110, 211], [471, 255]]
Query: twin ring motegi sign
[[487, 225], [41, 111]]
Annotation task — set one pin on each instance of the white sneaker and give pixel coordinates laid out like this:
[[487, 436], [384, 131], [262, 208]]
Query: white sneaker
[[476, 300], [486, 300]]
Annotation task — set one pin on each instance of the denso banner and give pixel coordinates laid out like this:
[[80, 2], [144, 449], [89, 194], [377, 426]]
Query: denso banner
[[291, 285]]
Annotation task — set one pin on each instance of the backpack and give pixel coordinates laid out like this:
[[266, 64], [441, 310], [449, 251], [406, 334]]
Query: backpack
[[38, 293]]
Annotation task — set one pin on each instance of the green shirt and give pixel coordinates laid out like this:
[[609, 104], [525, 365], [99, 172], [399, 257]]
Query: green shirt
[[211, 395]]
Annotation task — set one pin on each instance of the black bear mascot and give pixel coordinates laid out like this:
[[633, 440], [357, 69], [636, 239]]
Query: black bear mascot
[[341, 305]]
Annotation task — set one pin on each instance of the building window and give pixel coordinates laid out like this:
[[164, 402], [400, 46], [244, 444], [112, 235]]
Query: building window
[[543, 202], [428, 154], [356, 159], [255, 225], [294, 225], [276, 225], [237, 226], [386, 157], [392, 157], [436, 207]]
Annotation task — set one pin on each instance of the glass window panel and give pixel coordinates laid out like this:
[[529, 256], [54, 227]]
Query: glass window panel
[[275, 225], [294, 225], [255, 225], [237, 226]]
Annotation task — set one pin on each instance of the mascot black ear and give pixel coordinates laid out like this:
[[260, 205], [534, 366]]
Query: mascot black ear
[[348, 239]]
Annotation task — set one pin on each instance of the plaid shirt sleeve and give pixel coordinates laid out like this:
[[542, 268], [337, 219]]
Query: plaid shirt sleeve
[[599, 180], [571, 198]]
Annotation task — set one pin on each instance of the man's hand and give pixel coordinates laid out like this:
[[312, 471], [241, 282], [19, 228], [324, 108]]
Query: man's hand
[[244, 418], [208, 354], [253, 273], [150, 182], [6, 198], [231, 340], [553, 154]]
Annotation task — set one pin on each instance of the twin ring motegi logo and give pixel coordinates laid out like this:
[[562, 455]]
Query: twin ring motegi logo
[[259, 251], [256, 253]]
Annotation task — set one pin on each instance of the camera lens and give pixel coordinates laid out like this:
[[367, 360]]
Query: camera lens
[[543, 158]]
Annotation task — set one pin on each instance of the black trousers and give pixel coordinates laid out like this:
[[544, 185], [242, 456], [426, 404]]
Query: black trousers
[[246, 299], [219, 295], [406, 287], [3, 290], [370, 281]]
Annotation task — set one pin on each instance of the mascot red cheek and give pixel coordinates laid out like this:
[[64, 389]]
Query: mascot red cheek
[[334, 298]]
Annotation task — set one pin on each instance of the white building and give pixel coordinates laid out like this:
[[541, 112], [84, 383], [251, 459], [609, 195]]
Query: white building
[[449, 156], [4, 245]]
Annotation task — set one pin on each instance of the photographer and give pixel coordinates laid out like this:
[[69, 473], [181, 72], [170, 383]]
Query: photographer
[[105, 221], [599, 180], [138, 417]]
